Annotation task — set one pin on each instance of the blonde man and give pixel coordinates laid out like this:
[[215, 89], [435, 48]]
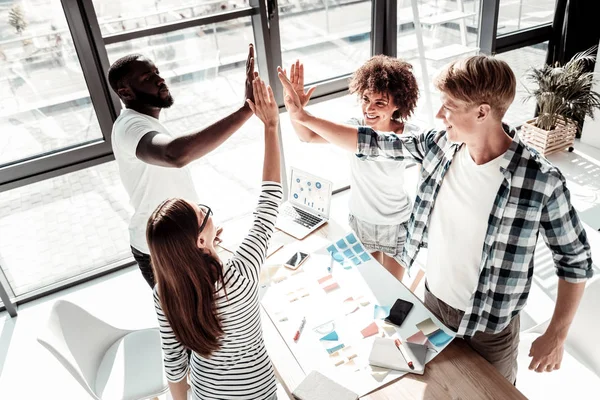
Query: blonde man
[[483, 199]]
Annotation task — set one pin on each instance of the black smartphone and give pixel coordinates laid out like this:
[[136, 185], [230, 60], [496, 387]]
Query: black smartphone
[[296, 260], [399, 312]]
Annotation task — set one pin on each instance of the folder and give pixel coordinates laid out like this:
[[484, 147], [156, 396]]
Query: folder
[[385, 354]]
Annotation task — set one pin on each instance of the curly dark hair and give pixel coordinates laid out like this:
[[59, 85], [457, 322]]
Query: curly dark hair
[[384, 74]]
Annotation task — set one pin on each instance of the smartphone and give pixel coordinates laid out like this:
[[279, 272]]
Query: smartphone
[[399, 312], [296, 260]]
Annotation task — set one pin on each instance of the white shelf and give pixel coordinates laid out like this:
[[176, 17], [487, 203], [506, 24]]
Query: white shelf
[[450, 51], [445, 17]]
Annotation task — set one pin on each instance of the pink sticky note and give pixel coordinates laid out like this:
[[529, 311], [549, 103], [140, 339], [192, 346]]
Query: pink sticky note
[[370, 330], [334, 285], [418, 338], [325, 278]]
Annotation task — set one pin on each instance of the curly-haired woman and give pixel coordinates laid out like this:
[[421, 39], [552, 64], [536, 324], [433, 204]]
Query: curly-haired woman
[[379, 206]]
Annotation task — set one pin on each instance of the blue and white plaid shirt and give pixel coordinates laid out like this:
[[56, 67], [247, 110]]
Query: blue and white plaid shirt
[[532, 198]]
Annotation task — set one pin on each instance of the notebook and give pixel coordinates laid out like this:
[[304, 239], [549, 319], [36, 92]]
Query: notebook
[[385, 354], [317, 386]]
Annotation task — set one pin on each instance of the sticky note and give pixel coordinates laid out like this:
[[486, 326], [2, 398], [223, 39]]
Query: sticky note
[[365, 257], [341, 244], [439, 338], [418, 338], [351, 238], [336, 348], [325, 278], [388, 329], [350, 308], [330, 336], [356, 261], [331, 249], [358, 248], [378, 373], [428, 327], [381, 312], [370, 330], [348, 253], [331, 287], [351, 365], [363, 302]]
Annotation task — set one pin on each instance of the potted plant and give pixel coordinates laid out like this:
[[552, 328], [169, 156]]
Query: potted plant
[[564, 96]]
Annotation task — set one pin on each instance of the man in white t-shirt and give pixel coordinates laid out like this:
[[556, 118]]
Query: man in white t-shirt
[[483, 200], [152, 161]]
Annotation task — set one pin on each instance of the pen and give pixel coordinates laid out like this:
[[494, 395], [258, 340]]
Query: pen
[[400, 347], [330, 264], [299, 331]]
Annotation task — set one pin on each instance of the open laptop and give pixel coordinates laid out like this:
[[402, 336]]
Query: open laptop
[[307, 207]]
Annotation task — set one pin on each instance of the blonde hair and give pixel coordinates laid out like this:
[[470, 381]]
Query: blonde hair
[[480, 79]]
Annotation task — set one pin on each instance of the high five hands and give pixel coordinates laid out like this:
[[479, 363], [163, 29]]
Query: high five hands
[[264, 105], [250, 75], [293, 102]]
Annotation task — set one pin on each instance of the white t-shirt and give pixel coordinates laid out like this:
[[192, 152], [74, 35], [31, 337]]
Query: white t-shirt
[[147, 185], [378, 196], [457, 228]]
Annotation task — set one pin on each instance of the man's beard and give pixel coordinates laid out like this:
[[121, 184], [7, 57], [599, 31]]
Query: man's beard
[[153, 100]]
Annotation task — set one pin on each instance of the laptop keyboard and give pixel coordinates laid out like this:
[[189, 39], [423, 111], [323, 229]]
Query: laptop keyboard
[[302, 217]]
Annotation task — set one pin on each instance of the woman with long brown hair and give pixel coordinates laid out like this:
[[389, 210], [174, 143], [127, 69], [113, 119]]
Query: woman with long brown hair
[[209, 307]]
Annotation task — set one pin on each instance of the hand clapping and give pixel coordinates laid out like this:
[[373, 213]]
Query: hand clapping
[[264, 105]]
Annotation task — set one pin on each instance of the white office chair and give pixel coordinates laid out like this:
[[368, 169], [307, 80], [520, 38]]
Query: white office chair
[[109, 363], [581, 360]]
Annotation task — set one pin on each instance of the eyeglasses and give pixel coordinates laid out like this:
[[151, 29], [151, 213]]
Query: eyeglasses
[[207, 213]]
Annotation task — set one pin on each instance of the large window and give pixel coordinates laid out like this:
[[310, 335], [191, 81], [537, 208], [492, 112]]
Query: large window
[[521, 60], [203, 66], [520, 14], [118, 16], [330, 37], [45, 104], [430, 34]]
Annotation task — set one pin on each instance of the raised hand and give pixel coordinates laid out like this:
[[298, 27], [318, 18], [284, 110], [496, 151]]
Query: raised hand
[[297, 81], [264, 105], [250, 74], [291, 97]]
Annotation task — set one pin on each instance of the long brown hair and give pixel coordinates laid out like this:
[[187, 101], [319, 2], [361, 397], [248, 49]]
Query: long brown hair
[[188, 278]]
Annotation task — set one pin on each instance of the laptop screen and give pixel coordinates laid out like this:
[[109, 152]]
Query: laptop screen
[[310, 191]]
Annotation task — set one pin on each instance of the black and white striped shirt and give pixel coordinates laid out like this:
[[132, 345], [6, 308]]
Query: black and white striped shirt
[[241, 368]]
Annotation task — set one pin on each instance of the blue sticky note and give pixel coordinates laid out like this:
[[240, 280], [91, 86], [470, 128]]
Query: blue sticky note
[[381, 312], [351, 238], [330, 336], [341, 244], [336, 348], [331, 249], [356, 261], [365, 257], [348, 253], [358, 248], [439, 338]]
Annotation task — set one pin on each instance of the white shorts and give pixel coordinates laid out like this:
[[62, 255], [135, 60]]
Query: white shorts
[[389, 239]]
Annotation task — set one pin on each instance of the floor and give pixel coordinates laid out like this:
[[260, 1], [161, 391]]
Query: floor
[[28, 371]]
